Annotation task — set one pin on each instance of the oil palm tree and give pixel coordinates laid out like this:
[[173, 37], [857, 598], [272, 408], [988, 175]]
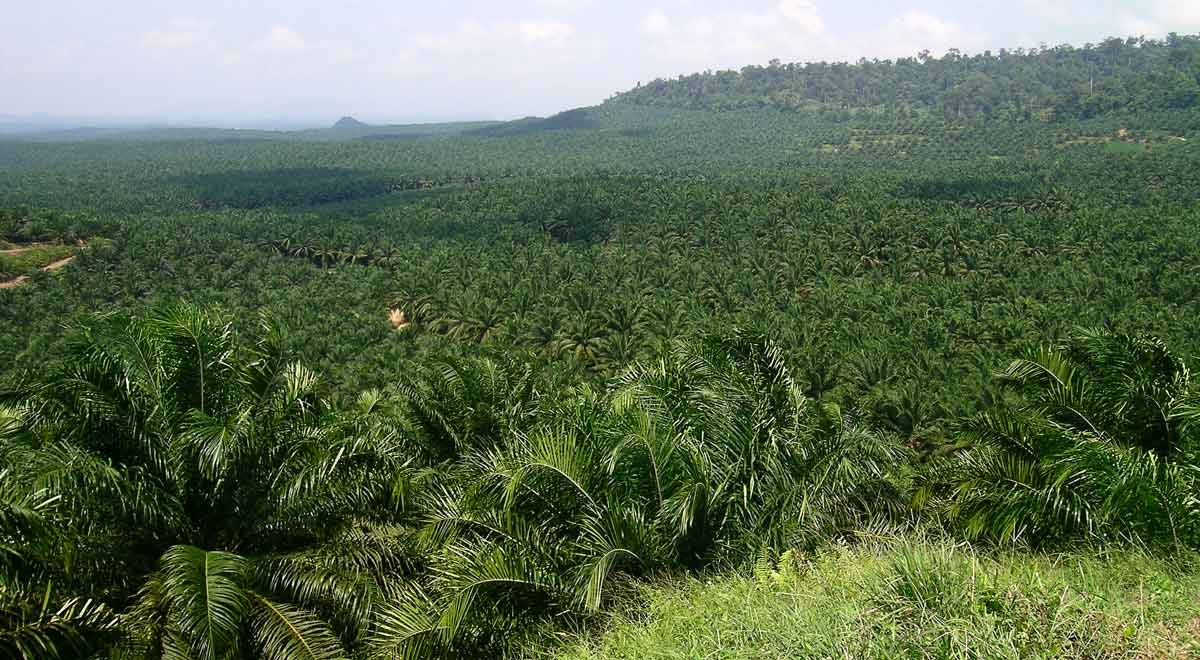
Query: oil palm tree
[[452, 407], [37, 620], [209, 471], [1096, 440], [709, 453]]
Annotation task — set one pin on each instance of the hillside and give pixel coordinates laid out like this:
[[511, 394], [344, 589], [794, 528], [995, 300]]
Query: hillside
[[349, 123], [577, 118], [1063, 82], [644, 379]]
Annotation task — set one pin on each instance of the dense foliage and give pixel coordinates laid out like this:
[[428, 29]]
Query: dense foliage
[[563, 356], [175, 488], [1041, 83]]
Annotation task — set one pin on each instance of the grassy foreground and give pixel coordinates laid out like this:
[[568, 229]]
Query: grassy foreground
[[918, 600], [29, 260]]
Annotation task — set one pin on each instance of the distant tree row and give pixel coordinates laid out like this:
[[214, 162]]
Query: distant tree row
[[1116, 75]]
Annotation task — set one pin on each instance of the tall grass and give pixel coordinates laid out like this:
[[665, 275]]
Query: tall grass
[[910, 598]]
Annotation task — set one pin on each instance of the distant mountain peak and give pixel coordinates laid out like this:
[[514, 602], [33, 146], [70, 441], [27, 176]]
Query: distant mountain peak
[[350, 122]]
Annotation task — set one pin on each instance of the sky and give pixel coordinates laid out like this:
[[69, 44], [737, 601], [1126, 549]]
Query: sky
[[244, 61]]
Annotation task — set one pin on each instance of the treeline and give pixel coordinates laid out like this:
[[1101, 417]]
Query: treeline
[[175, 488], [1062, 82]]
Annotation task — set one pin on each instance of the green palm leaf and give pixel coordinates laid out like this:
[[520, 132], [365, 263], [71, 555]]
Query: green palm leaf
[[284, 632], [205, 596], [76, 629]]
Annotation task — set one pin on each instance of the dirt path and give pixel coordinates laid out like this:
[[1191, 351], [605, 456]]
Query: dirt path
[[55, 265], [49, 268]]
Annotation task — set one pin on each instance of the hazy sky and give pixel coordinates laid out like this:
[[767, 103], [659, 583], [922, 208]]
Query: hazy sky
[[400, 60]]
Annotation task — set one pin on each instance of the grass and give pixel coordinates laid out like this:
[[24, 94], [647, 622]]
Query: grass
[[905, 599], [12, 265], [1125, 147]]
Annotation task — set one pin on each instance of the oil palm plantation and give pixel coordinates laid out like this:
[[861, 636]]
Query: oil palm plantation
[[179, 489]]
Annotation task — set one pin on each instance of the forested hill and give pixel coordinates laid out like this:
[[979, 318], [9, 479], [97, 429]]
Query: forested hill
[[1115, 76]]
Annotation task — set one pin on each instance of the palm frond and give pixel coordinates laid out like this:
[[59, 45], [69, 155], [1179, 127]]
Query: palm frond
[[205, 595], [75, 629], [284, 632]]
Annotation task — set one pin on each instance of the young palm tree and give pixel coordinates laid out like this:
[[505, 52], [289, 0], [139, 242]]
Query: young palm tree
[[710, 453], [212, 472], [452, 407], [36, 619], [1096, 441]]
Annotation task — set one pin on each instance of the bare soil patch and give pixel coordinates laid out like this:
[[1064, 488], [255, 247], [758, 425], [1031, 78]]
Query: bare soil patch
[[49, 268]]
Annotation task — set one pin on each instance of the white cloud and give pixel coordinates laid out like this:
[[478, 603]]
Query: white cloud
[[281, 40], [1049, 12], [468, 37], [1157, 18], [656, 24], [925, 25], [178, 34], [565, 5], [472, 36], [544, 32], [804, 14], [1178, 15], [1135, 24], [914, 31], [788, 30], [296, 54]]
